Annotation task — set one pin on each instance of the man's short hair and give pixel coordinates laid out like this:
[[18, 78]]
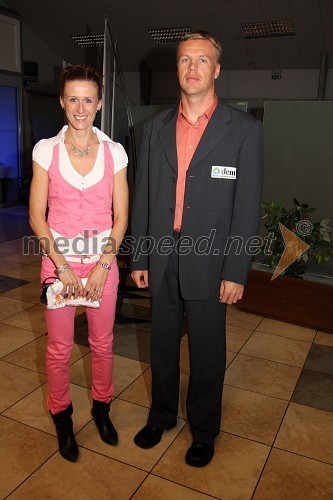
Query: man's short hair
[[203, 35]]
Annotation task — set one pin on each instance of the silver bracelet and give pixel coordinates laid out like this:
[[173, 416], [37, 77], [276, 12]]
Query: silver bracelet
[[62, 269], [104, 265]]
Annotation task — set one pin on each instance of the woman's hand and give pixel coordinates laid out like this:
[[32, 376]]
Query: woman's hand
[[95, 283], [72, 284]]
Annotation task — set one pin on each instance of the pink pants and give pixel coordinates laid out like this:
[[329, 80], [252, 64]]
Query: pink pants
[[60, 326]]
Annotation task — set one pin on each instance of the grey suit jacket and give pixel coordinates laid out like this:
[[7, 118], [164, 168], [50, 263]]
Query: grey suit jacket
[[221, 205]]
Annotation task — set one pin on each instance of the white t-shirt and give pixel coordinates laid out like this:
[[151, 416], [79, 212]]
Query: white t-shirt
[[43, 153]]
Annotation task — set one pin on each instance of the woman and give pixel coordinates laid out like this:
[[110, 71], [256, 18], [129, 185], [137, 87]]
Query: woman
[[80, 175]]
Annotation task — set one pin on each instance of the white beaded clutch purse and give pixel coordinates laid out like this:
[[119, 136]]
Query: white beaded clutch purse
[[56, 300]]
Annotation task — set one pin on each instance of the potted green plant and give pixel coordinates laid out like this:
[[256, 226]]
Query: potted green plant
[[318, 235]]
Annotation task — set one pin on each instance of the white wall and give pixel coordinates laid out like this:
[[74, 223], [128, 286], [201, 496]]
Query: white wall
[[298, 154], [253, 84], [10, 44], [329, 84], [49, 62], [132, 82], [258, 84], [39, 108], [164, 85]]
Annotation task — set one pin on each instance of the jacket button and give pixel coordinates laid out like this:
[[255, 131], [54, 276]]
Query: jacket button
[[171, 210], [173, 179]]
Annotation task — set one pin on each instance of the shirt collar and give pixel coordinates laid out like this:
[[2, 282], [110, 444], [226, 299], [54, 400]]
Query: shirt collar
[[60, 137], [208, 113]]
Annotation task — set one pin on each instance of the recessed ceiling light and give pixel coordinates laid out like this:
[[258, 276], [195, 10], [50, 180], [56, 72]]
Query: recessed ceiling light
[[268, 29], [167, 35], [92, 40]]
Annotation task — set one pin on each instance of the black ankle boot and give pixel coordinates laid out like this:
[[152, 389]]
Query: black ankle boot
[[100, 413], [66, 439]]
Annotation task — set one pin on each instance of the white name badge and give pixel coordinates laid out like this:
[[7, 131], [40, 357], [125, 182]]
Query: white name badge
[[223, 172]]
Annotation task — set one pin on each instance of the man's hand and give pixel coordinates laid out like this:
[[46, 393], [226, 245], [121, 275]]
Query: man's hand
[[230, 292], [140, 278]]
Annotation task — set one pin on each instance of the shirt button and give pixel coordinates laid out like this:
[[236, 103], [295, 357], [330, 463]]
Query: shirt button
[[79, 218], [173, 179]]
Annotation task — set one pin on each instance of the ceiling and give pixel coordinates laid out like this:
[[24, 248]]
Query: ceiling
[[129, 20]]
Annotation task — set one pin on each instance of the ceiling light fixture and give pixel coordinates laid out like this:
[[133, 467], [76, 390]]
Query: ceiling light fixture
[[167, 35], [92, 40], [268, 29]]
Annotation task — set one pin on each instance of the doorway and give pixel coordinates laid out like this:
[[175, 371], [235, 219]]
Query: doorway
[[9, 145]]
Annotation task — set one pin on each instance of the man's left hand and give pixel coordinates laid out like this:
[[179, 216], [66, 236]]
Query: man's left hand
[[230, 292]]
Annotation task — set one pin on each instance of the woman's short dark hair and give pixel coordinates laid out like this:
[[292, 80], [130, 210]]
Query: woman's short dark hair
[[81, 72]]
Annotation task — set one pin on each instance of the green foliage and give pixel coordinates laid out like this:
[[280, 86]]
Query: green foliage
[[318, 235]]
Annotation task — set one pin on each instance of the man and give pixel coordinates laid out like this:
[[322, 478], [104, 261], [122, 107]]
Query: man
[[198, 185]]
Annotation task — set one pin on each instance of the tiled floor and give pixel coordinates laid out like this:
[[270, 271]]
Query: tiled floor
[[276, 439]]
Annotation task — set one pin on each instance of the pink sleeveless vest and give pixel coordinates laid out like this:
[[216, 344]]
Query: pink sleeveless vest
[[73, 211]]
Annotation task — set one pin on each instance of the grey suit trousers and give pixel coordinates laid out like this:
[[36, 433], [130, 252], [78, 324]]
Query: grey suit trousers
[[207, 348]]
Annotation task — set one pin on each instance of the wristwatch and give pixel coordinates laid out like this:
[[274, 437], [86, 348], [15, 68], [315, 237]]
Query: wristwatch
[[104, 265]]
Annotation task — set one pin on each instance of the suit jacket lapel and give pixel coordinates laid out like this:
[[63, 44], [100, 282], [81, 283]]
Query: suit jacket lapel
[[167, 135], [216, 130]]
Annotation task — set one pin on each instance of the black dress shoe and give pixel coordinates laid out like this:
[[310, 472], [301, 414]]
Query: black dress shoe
[[149, 436], [199, 454]]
